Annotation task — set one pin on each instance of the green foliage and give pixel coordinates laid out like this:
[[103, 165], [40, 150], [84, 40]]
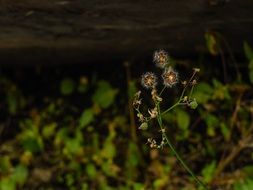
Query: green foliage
[[203, 92], [67, 86], [86, 118], [105, 95], [212, 43], [246, 185], [58, 144], [208, 171], [249, 54]]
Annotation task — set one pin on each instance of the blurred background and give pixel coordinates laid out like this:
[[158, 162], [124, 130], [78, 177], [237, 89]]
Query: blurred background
[[68, 73]]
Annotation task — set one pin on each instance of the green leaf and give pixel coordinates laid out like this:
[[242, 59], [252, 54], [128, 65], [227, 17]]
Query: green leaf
[[104, 95], [203, 92], [132, 89], [251, 71], [221, 91], [208, 171], [32, 144], [86, 118], [91, 170], [138, 186], [49, 130], [7, 184], [183, 119], [109, 150], [67, 86], [20, 174], [212, 122], [246, 185], [212, 44], [225, 131], [248, 51], [5, 164]]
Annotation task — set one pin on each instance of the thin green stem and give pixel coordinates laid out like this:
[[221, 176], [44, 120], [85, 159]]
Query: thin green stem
[[159, 118], [170, 108]]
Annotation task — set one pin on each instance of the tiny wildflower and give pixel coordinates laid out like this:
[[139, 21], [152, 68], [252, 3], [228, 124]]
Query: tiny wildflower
[[153, 113], [149, 80], [160, 58], [170, 77], [155, 96]]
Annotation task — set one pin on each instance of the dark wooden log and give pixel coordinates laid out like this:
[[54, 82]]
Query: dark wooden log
[[55, 31]]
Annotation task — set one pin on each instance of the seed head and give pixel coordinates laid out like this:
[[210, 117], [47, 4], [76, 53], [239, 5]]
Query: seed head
[[170, 77], [160, 58], [149, 80]]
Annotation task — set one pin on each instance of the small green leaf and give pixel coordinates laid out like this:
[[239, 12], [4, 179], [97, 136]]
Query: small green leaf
[[212, 44], [138, 186], [251, 71], [183, 119], [49, 130], [5, 164], [67, 86], [7, 184], [248, 51], [203, 92], [91, 170], [246, 185], [132, 89], [208, 171], [20, 174], [86, 118], [73, 145], [212, 122], [104, 95], [225, 131], [143, 126], [32, 144]]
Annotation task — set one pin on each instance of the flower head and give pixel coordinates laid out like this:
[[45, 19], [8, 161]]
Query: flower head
[[149, 80], [160, 58], [170, 77]]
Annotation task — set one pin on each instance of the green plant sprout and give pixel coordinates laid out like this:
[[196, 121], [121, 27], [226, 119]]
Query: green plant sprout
[[170, 78]]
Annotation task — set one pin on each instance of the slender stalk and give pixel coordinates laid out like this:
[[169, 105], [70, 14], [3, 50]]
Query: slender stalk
[[170, 108], [159, 118]]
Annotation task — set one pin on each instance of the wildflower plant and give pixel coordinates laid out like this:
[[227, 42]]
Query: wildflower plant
[[170, 79]]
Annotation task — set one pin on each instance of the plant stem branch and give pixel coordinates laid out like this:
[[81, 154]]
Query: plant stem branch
[[159, 118]]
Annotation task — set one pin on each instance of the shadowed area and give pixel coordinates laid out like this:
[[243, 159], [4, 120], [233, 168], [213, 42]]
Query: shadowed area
[[53, 31]]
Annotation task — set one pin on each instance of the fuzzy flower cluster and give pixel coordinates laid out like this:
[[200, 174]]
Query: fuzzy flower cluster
[[170, 77]]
